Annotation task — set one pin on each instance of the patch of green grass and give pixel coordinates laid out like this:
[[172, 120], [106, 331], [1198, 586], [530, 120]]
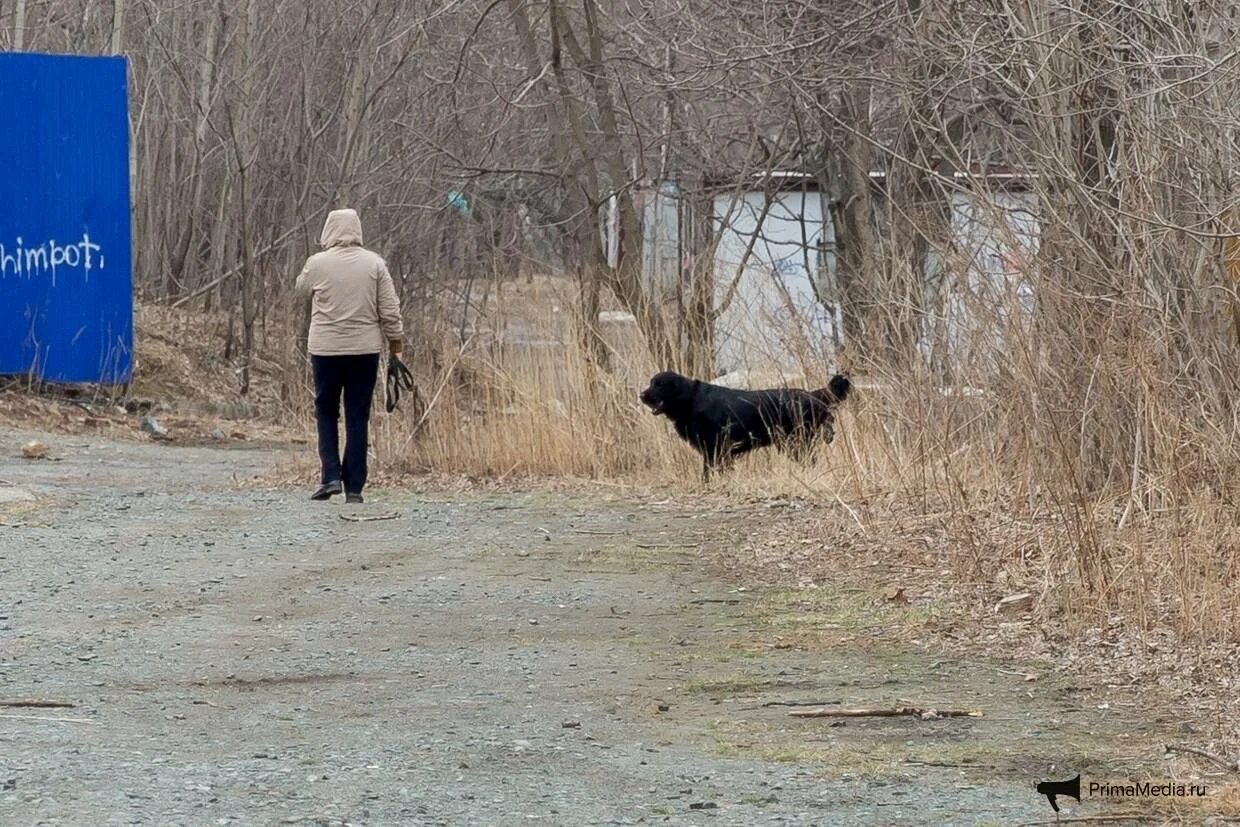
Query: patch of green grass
[[829, 608], [738, 684], [729, 653], [854, 751], [629, 559], [871, 759], [740, 650], [26, 512]]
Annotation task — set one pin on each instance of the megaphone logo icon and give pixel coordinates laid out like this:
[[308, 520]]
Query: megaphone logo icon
[[1052, 789]]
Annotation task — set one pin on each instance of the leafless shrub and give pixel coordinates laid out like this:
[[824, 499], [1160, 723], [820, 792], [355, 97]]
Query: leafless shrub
[[1103, 360]]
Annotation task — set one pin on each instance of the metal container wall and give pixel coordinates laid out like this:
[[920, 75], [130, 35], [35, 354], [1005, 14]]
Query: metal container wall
[[66, 295]]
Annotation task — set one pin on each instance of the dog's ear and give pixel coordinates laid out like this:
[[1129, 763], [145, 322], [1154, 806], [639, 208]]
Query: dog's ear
[[666, 382], [672, 389], [679, 387], [838, 387]]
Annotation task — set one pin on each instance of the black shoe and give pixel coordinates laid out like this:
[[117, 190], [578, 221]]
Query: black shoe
[[353, 498], [327, 490]]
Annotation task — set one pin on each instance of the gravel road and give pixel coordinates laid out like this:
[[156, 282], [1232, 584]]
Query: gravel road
[[243, 656]]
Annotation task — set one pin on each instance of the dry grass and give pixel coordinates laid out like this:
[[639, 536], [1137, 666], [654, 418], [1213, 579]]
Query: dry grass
[[1222, 801], [1114, 502], [182, 380], [961, 499], [1020, 484], [535, 412], [181, 358]]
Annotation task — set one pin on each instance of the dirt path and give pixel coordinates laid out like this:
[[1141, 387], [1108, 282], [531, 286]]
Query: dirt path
[[248, 657]]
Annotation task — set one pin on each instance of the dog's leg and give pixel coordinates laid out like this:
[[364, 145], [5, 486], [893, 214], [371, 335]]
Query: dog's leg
[[705, 470]]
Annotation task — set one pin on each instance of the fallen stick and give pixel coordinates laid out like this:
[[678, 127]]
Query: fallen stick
[[38, 703], [1225, 763], [49, 718], [1138, 817], [798, 703], [885, 712], [667, 545], [367, 518]]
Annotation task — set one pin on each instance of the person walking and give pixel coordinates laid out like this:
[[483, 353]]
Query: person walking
[[354, 317]]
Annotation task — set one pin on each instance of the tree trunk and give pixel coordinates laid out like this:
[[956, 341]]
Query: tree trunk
[[19, 26], [184, 263], [852, 216], [245, 146], [118, 27], [699, 320]]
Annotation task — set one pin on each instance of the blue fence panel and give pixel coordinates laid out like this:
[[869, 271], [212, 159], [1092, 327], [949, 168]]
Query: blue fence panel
[[66, 287]]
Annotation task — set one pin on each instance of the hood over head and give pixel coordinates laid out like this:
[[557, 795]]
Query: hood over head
[[341, 228]]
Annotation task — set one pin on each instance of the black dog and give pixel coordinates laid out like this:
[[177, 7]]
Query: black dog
[[722, 423]]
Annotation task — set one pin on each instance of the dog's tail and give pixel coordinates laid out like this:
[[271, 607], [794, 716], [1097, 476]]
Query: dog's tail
[[836, 390]]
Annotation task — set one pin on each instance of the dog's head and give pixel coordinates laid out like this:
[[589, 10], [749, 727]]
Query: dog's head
[[668, 391]]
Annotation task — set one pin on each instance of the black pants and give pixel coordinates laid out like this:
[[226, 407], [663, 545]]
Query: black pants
[[354, 376]]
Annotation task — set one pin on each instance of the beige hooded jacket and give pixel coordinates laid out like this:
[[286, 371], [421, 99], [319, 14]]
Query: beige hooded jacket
[[354, 308]]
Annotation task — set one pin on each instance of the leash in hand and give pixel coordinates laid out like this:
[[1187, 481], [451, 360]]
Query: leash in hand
[[399, 379]]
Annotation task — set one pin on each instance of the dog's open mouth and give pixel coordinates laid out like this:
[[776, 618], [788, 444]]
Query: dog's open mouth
[[655, 405]]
